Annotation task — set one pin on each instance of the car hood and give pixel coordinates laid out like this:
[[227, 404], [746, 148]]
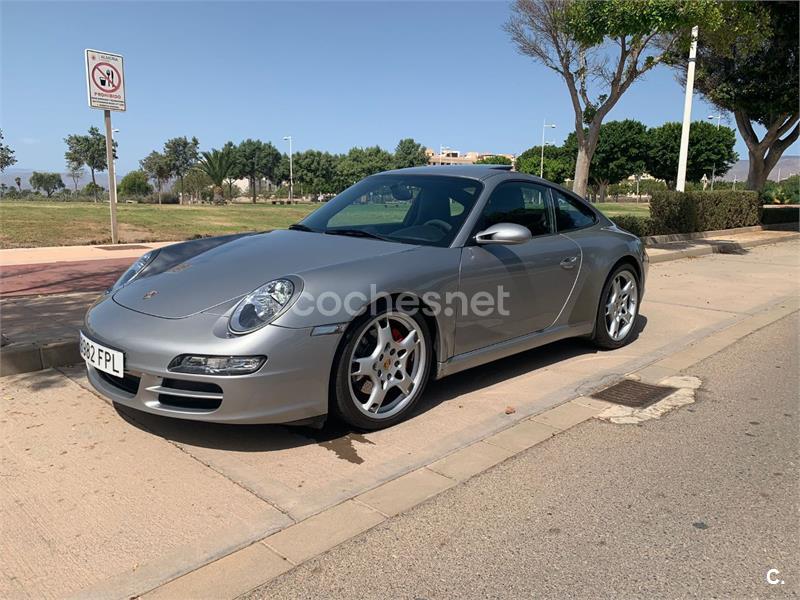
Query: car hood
[[233, 269]]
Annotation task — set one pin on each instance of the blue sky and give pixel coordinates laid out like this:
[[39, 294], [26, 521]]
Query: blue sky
[[333, 75]]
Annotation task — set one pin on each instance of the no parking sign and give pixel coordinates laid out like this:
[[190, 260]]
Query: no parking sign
[[105, 80]]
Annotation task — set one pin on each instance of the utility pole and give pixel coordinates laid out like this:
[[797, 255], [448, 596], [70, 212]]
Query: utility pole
[[545, 125], [717, 116], [687, 114], [291, 172]]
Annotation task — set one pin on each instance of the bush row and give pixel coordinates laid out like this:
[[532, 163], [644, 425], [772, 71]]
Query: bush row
[[693, 211]]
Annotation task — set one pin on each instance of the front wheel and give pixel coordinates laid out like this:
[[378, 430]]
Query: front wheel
[[619, 306], [382, 369]]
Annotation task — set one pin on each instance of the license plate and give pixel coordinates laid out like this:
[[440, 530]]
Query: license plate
[[101, 358]]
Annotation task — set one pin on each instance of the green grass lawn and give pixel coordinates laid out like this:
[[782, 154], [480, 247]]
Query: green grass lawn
[[42, 223]]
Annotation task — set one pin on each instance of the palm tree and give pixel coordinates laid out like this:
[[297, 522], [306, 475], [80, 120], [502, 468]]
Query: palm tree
[[18, 181], [217, 164]]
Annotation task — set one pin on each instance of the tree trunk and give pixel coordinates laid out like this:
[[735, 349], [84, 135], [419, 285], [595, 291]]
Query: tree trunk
[[581, 179], [180, 196], [253, 184], [603, 187], [94, 186], [159, 192], [764, 154]]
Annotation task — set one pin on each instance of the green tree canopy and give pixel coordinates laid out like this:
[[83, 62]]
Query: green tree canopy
[[135, 184], [600, 49], [182, 154], [559, 161], [710, 150], [409, 153], [621, 152], [46, 182], [217, 164], [256, 160], [316, 171], [751, 69], [359, 163], [495, 159], [89, 150], [7, 157], [158, 169]]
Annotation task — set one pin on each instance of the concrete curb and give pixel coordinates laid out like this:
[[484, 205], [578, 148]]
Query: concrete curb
[[240, 571], [25, 358], [704, 235], [721, 247]]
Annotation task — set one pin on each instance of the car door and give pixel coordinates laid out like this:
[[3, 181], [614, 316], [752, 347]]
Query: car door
[[529, 282]]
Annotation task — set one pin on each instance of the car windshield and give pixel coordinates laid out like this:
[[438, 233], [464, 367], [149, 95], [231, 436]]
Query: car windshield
[[413, 209]]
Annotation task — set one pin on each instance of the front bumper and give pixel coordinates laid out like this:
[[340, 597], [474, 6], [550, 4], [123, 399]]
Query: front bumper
[[291, 386]]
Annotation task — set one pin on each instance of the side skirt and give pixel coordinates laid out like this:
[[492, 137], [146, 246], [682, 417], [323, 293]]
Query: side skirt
[[461, 362]]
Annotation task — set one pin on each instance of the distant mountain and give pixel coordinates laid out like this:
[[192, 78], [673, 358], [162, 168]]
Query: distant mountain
[[25, 174], [787, 165]]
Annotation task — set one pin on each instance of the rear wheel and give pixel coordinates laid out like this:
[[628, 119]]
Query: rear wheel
[[382, 369], [619, 306]]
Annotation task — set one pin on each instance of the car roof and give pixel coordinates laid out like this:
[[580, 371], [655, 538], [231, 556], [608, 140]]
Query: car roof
[[472, 171]]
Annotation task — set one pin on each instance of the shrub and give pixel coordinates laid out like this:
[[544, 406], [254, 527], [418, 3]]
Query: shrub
[[637, 225], [775, 215], [689, 212]]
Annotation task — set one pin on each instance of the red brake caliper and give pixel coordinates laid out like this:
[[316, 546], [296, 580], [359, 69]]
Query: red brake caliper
[[396, 336]]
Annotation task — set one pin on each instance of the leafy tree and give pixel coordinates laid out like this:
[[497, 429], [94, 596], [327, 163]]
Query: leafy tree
[[755, 76], [235, 171], [158, 168], [316, 172], [257, 160], [182, 154], [600, 49], [47, 182], [559, 161], [494, 160], [217, 164], [75, 172], [621, 152], [710, 149], [409, 153], [7, 157], [93, 189], [195, 184], [363, 162], [89, 150], [135, 184]]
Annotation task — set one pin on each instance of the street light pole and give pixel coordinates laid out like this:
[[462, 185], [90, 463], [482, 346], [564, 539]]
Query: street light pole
[[291, 172], [680, 184], [717, 116], [545, 125]]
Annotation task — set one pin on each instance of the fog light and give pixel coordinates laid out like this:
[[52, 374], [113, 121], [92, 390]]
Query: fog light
[[216, 365]]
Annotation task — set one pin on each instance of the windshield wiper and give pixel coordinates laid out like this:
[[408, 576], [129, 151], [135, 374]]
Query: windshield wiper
[[356, 233], [301, 227]]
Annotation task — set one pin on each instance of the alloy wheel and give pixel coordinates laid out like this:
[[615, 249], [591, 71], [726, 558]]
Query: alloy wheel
[[621, 305], [387, 365]]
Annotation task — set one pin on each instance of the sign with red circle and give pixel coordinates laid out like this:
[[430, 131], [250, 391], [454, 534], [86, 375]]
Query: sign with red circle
[[105, 80]]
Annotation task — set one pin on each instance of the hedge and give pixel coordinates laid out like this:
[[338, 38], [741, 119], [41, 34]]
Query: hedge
[[641, 226], [689, 212], [774, 215]]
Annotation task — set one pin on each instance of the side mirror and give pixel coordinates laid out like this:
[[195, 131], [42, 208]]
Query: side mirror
[[504, 233]]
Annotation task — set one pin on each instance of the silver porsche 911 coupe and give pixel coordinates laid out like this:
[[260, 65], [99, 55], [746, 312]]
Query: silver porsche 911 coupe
[[407, 275]]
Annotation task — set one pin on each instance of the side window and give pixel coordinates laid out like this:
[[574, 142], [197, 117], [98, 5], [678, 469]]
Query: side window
[[521, 203], [571, 214]]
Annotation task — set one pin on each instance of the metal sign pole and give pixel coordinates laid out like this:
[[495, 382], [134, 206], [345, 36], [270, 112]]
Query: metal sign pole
[[112, 178]]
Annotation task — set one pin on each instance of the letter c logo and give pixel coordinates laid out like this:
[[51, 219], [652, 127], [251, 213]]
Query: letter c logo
[[772, 577]]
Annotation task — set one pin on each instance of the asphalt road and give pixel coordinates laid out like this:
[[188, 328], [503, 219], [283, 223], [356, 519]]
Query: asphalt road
[[701, 503]]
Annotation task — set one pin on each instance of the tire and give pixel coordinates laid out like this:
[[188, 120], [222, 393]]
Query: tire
[[372, 373], [613, 309]]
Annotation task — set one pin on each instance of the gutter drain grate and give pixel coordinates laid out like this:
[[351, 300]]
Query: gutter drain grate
[[634, 393]]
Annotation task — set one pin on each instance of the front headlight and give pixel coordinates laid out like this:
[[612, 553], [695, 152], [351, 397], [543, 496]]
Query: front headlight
[[260, 306], [134, 270]]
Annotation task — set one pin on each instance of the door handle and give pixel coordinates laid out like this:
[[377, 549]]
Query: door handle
[[569, 262]]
